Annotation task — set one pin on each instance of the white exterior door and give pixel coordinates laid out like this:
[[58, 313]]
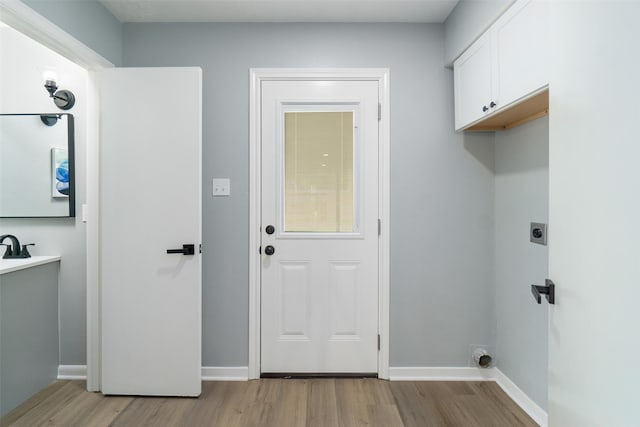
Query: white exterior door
[[151, 202], [319, 310]]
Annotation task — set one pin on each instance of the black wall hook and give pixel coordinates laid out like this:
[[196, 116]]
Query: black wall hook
[[548, 289]]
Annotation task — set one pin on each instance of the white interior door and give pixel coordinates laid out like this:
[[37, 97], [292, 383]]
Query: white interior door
[[151, 202], [594, 207], [319, 310]]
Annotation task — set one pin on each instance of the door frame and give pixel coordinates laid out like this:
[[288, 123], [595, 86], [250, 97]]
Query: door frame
[[38, 28], [256, 77]]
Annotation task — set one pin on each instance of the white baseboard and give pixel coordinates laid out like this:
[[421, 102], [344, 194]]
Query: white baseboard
[[438, 374], [225, 373], [72, 372], [538, 414], [209, 373], [473, 374]]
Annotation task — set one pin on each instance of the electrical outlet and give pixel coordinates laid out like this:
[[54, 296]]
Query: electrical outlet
[[538, 233], [221, 187]]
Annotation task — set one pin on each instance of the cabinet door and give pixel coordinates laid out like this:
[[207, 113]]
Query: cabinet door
[[472, 82], [521, 49]]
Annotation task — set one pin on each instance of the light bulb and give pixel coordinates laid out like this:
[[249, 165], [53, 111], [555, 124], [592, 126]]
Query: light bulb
[[48, 75]]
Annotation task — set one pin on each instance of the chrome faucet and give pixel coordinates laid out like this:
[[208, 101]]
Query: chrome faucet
[[13, 249]]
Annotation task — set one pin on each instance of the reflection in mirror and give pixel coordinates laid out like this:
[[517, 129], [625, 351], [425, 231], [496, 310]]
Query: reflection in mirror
[[37, 177]]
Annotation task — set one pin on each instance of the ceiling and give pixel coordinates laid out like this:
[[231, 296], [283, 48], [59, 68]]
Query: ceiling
[[430, 11]]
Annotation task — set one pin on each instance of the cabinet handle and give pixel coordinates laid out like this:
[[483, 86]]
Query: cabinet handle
[[484, 109], [493, 104]]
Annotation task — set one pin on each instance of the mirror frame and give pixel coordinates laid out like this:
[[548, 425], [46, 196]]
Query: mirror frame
[[72, 163]]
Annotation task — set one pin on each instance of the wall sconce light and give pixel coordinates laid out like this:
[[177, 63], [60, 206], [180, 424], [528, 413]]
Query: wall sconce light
[[64, 99], [50, 119]]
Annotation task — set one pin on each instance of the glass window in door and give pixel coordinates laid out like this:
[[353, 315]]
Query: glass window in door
[[319, 173]]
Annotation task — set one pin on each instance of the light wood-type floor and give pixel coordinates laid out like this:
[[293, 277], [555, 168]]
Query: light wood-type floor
[[280, 403]]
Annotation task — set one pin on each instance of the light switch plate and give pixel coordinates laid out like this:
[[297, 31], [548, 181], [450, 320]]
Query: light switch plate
[[221, 187], [538, 233]]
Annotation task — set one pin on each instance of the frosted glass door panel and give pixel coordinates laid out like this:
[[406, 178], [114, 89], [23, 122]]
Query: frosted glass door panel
[[319, 171]]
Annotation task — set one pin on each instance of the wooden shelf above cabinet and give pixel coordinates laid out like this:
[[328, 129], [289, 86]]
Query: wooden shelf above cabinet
[[529, 109]]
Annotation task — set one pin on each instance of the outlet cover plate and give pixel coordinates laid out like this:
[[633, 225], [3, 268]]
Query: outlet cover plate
[[221, 187], [538, 233]]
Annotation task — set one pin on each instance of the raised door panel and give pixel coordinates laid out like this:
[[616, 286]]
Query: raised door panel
[[343, 300], [293, 290], [472, 82], [521, 49]]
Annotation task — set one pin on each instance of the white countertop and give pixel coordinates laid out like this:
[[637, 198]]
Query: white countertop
[[9, 265]]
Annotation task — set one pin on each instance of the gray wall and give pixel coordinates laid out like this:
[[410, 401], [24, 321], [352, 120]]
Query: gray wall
[[467, 21], [21, 64], [441, 183], [594, 208], [86, 20], [521, 197]]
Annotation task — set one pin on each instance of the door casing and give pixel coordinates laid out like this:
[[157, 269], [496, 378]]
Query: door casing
[[256, 77]]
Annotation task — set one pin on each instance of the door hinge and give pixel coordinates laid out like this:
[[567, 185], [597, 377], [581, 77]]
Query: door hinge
[[379, 111], [379, 226], [378, 342]]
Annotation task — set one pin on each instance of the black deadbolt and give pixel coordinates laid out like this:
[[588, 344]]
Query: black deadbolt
[[269, 250], [537, 233], [270, 229]]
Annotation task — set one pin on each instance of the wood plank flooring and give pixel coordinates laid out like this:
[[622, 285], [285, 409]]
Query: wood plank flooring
[[280, 403]]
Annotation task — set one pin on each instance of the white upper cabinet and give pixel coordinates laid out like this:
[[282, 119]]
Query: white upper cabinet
[[522, 49], [473, 82], [507, 64]]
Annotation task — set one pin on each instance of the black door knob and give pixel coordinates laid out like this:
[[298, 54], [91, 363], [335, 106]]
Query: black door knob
[[484, 109], [270, 229], [493, 104], [269, 250]]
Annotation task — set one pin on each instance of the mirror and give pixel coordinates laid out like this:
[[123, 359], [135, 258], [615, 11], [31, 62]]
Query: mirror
[[37, 176]]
